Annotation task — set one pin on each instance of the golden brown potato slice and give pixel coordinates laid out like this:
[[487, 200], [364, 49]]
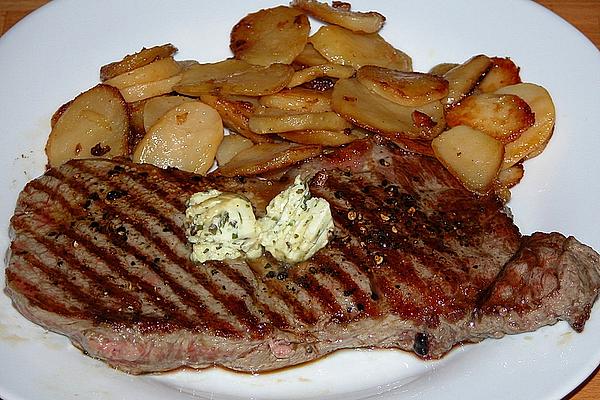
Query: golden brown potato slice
[[143, 91], [254, 82], [509, 177], [405, 88], [372, 112], [318, 71], [200, 73], [186, 137], [155, 71], [534, 139], [441, 69], [94, 124], [230, 147], [235, 113], [136, 123], [276, 121], [270, 36], [502, 116], [472, 156], [463, 78], [309, 57], [365, 22], [342, 46], [156, 107], [503, 72], [298, 99], [136, 60], [320, 137], [267, 157]]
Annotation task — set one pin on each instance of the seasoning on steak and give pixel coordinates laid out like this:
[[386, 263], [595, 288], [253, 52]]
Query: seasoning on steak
[[416, 263]]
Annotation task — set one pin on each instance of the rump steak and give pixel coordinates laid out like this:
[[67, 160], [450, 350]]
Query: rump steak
[[416, 262]]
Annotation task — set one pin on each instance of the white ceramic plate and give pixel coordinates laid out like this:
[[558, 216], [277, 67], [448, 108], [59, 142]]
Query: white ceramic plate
[[55, 53]]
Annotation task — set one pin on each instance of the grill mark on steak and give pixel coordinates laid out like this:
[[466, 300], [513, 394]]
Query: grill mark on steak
[[278, 320], [321, 293]]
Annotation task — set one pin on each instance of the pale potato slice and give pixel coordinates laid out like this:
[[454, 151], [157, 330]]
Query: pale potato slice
[[235, 113], [342, 46], [136, 60], [270, 36], [276, 121], [200, 73], [534, 139], [318, 71], [155, 71], [186, 137], [254, 82], [464, 77], [502, 116], [298, 99], [94, 124], [472, 156], [230, 147], [503, 72], [144, 91], [267, 157], [156, 107], [404, 88], [509, 177], [309, 57], [320, 137], [441, 69], [372, 112], [365, 22]]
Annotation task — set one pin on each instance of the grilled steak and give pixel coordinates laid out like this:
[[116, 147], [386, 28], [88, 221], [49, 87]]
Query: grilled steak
[[416, 262]]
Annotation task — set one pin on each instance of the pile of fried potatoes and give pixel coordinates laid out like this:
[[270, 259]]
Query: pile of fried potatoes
[[287, 95]]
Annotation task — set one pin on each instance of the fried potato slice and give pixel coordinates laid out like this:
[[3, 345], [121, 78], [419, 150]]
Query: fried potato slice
[[441, 69], [155, 71], [342, 46], [298, 99], [502, 116], [136, 123], [230, 147], [270, 36], [309, 57], [318, 71], [267, 157], [199, 73], [370, 111], [235, 113], [276, 121], [503, 72], [506, 179], [404, 88], [321, 137], [143, 91], [156, 107], [253, 82], [136, 60], [463, 78], [472, 156], [364, 22], [532, 141], [186, 137], [94, 124]]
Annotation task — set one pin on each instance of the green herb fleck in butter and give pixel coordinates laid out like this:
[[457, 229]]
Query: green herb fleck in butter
[[296, 225], [221, 226]]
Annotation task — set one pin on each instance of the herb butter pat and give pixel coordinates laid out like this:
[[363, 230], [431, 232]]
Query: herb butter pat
[[296, 225], [221, 226]]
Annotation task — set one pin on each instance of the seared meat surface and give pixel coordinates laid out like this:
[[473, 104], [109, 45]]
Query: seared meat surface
[[416, 262]]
